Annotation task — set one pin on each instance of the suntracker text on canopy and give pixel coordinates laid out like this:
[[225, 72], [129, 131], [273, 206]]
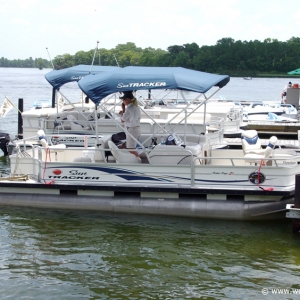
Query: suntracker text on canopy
[[98, 86]]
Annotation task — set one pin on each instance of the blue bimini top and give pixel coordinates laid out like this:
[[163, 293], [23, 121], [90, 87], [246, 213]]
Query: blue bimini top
[[57, 78], [98, 86]]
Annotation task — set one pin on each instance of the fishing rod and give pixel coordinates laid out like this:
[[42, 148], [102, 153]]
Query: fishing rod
[[94, 56], [50, 59]]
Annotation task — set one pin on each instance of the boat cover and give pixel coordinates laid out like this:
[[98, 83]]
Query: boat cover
[[295, 72], [98, 86], [57, 78]]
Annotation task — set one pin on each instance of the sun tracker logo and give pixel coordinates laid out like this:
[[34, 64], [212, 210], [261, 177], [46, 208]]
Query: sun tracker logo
[[142, 84], [72, 174]]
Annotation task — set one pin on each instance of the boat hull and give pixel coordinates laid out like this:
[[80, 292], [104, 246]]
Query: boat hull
[[198, 203]]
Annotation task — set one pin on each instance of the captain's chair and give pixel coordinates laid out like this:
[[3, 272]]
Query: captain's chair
[[122, 156], [43, 140], [75, 125], [251, 142], [253, 157]]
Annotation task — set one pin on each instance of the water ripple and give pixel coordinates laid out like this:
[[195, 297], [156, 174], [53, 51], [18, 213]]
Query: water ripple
[[115, 256]]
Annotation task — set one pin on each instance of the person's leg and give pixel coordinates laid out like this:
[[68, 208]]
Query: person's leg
[[130, 142]]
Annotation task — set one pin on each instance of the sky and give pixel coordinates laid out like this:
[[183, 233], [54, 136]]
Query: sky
[[29, 27]]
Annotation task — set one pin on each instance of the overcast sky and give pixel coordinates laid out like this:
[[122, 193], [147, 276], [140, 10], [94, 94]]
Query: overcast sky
[[28, 27]]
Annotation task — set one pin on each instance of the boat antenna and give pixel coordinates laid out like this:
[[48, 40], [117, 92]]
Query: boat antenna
[[50, 59], [94, 56], [116, 60]]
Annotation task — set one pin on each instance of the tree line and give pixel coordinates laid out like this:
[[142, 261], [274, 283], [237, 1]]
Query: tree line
[[239, 58], [24, 63]]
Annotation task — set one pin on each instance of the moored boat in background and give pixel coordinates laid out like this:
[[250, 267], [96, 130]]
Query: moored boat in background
[[65, 117]]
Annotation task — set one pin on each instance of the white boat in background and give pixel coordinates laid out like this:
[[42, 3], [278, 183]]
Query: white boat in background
[[68, 119], [261, 107], [257, 108], [41, 103], [270, 117], [229, 111], [287, 108], [248, 78], [184, 177]]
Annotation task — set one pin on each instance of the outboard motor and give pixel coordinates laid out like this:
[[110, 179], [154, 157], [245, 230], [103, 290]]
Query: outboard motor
[[4, 140]]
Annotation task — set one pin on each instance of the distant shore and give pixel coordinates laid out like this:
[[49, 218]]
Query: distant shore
[[267, 76], [259, 75]]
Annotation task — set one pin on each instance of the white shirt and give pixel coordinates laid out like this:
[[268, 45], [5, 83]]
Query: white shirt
[[288, 86], [131, 116]]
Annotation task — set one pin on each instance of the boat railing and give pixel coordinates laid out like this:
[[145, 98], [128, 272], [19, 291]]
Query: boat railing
[[217, 157], [107, 126], [61, 125], [25, 144], [216, 123], [38, 159], [32, 143]]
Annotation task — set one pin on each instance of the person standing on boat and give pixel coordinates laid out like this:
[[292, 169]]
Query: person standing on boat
[[283, 94], [130, 116]]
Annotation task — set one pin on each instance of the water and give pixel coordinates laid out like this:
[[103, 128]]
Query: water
[[82, 255], [53, 254]]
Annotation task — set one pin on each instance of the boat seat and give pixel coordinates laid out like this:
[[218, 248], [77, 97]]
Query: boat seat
[[75, 125], [253, 157], [99, 154], [71, 118], [43, 140], [62, 126], [123, 156], [103, 154], [174, 155], [251, 142]]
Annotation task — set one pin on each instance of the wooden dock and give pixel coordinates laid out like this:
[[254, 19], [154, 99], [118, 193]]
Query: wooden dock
[[280, 143], [289, 128]]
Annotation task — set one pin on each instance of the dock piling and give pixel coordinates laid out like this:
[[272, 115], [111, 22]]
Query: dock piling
[[296, 222], [20, 120]]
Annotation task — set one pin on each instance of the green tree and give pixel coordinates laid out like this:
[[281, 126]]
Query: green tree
[[63, 61], [226, 56], [40, 63]]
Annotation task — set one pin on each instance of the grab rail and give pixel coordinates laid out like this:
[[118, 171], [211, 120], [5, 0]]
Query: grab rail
[[37, 154]]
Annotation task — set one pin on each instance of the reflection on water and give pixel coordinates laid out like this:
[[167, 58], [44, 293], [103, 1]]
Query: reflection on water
[[4, 165], [80, 255]]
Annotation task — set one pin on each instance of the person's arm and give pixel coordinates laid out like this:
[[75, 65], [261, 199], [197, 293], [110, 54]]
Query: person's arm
[[126, 115], [123, 109]]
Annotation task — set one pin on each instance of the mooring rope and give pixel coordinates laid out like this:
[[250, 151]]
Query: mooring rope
[[258, 177], [15, 178]]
